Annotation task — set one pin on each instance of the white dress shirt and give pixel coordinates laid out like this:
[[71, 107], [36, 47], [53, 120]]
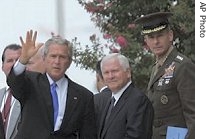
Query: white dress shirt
[[119, 93]]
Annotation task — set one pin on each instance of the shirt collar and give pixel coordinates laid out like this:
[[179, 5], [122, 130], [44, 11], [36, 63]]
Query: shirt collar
[[103, 88], [162, 59], [59, 82], [119, 93]]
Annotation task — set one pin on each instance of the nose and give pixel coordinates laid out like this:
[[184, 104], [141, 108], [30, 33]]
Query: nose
[[110, 75], [155, 40], [57, 59]]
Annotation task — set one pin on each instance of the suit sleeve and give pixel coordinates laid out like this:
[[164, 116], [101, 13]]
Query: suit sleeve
[[140, 119], [88, 130], [19, 85], [186, 88]]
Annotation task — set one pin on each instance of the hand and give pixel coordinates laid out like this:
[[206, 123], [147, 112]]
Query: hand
[[29, 48]]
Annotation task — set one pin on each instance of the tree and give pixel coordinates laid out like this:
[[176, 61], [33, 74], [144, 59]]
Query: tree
[[116, 19]]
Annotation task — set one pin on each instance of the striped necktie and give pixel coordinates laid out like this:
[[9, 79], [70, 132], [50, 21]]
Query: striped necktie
[[6, 109]]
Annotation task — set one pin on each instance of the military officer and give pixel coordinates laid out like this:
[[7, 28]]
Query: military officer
[[171, 88]]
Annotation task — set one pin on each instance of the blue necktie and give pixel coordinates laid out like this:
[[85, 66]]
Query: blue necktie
[[55, 100]]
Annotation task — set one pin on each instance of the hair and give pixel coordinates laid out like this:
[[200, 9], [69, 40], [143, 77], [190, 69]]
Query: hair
[[12, 47], [122, 60], [60, 41], [40, 52], [98, 69]]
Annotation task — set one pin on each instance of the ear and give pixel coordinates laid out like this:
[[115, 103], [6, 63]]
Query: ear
[[171, 35], [69, 64], [145, 40], [97, 77], [129, 72]]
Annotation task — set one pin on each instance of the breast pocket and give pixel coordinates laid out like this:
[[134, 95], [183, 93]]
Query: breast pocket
[[164, 90]]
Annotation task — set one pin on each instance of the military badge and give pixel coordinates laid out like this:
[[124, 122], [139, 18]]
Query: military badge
[[179, 57], [169, 71], [167, 81], [164, 99], [160, 82]]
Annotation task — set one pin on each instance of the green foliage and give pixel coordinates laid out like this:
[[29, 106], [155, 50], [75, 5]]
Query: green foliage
[[117, 18]]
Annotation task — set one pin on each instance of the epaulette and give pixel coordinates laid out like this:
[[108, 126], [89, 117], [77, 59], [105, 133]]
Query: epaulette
[[179, 58]]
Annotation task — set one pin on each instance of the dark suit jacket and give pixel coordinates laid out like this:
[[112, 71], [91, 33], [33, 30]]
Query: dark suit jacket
[[172, 93], [131, 117], [37, 109], [2, 136], [100, 101]]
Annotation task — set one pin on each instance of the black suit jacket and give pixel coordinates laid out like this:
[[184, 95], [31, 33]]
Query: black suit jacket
[[131, 117], [100, 101], [2, 135], [37, 109]]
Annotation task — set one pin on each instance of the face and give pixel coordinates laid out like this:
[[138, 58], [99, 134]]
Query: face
[[99, 82], [57, 61], [159, 42], [36, 64], [11, 56], [115, 77]]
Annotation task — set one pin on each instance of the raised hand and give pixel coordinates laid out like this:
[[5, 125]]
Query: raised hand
[[28, 47]]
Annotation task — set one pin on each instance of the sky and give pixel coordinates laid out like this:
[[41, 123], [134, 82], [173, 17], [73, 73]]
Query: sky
[[19, 16]]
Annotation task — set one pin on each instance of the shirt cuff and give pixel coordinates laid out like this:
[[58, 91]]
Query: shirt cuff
[[18, 67]]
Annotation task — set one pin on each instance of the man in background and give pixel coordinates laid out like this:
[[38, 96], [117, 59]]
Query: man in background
[[103, 95], [10, 107], [36, 62]]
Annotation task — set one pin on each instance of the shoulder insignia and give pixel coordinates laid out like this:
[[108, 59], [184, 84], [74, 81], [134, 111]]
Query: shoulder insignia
[[179, 57]]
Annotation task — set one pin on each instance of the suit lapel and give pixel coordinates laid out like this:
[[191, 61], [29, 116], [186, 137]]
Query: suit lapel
[[14, 118], [103, 115], [158, 75], [71, 102], [114, 113], [2, 93], [165, 65], [45, 98], [119, 105]]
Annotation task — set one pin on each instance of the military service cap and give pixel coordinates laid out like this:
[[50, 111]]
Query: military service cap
[[154, 22]]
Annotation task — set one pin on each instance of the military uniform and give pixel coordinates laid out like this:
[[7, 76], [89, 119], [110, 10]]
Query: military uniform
[[171, 88], [172, 93]]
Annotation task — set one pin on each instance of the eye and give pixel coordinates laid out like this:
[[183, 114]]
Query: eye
[[9, 61], [63, 57], [53, 56]]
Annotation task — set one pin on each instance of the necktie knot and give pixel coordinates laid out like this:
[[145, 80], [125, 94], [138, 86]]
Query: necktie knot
[[53, 86], [112, 101]]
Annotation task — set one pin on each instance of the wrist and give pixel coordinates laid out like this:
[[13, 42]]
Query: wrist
[[23, 60]]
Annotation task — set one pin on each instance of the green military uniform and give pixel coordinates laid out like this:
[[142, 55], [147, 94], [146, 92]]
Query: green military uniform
[[171, 88], [172, 93]]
